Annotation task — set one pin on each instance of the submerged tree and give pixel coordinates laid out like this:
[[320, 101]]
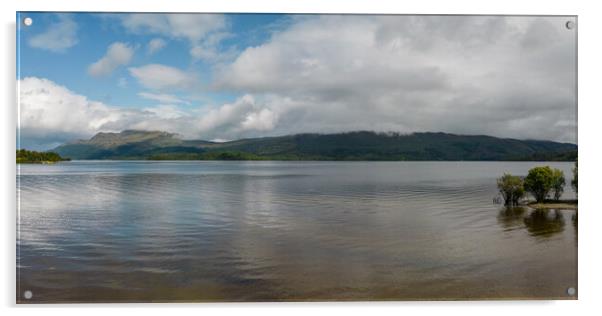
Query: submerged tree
[[511, 188], [558, 183]]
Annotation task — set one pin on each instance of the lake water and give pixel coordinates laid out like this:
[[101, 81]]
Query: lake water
[[132, 231]]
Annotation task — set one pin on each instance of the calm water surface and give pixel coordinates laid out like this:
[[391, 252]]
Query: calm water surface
[[234, 231]]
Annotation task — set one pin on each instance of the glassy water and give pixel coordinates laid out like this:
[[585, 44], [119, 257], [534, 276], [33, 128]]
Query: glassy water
[[235, 231]]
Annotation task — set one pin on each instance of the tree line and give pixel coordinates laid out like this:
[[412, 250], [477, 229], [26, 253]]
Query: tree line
[[541, 182], [30, 156]]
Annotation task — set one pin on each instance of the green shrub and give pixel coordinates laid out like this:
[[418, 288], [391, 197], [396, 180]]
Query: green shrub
[[539, 182], [558, 183], [511, 188]]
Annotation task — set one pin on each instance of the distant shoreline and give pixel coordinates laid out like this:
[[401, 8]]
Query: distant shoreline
[[350, 146], [298, 160], [41, 162]]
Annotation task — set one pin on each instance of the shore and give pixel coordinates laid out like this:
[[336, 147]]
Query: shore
[[551, 204], [41, 162]]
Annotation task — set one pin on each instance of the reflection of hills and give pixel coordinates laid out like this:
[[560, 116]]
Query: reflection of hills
[[544, 223]]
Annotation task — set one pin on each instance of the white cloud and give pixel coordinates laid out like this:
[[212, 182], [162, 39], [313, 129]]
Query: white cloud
[[193, 27], [155, 45], [50, 109], [166, 111], [161, 77], [245, 117], [209, 50], [202, 52], [118, 54], [470, 75], [467, 75], [58, 37], [227, 115], [263, 120], [220, 140], [201, 30], [51, 114], [162, 97]]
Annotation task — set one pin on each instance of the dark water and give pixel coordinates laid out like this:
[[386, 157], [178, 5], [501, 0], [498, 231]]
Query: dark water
[[237, 231]]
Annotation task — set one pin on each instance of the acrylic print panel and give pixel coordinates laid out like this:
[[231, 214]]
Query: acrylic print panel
[[277, 157]]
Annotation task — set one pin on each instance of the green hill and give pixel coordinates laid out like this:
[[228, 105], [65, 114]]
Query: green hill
[[361, 145]]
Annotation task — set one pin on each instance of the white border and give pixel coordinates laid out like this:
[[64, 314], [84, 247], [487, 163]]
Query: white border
[[590, 261]]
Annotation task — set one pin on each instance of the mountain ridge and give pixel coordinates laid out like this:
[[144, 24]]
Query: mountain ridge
[[356, 145]]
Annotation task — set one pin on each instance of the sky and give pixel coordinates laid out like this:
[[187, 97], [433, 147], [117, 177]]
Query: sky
[[229, 76]]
